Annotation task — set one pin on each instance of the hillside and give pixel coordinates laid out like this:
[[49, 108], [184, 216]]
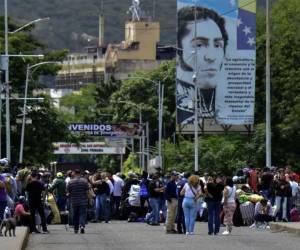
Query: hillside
[[70, 19]]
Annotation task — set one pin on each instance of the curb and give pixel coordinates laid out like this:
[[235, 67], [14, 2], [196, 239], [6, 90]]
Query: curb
[[285, 227], [15, 243], [24, 239]]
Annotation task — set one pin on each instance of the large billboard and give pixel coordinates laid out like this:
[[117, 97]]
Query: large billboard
[[216, 53]]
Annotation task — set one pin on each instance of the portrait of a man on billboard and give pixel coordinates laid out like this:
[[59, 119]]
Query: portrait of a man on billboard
[[207, 38], [216, 56]]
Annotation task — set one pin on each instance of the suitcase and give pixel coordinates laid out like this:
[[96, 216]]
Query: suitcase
[[247, 210]]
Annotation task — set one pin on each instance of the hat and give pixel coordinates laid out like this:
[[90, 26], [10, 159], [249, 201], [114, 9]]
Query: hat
[[174, 173], [59, 175]]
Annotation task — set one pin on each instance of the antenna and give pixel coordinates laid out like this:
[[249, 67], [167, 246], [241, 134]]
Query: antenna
[[154, 9]]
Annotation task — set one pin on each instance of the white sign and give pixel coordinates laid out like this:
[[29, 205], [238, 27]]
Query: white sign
[[86, 148]]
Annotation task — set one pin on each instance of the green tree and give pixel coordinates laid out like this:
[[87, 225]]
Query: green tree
[[46, 126]]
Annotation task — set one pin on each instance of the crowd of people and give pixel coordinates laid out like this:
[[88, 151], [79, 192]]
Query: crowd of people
[[37, 198]]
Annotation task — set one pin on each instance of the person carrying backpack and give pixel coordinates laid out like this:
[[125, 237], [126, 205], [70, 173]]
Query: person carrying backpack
[[144, 191]]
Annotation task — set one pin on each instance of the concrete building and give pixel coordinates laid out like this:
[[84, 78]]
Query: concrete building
[[80, 69], [136, 52], [139, 51]]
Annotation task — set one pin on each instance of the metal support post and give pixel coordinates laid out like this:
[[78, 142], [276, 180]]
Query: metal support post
[[24, 116], [148, 150], [268, 89], [7, 111]]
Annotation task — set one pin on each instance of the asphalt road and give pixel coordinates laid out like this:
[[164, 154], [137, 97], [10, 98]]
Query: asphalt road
[[136, 236]]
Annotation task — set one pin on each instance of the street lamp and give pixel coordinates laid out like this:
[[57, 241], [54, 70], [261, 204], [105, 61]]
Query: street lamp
[[25, 103], [160, 109], [7, 110], [141, 147], [268, 89], [30, 23]]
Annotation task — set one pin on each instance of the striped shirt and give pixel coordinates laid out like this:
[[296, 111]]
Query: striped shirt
[[78, 188]]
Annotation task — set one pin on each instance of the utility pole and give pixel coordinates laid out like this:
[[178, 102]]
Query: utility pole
[[148, 151], [268, 88], [195, 81], [7, 111], [154, 9]]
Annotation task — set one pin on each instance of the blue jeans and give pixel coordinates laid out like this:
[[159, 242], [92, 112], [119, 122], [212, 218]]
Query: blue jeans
[[102, 207], [163, 207], [79, 216], [190, 211], [154, 204], [61, 202], [2, 209], [214, 209]]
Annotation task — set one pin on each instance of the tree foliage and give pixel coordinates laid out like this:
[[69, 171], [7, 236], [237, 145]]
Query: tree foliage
[[47, 126]]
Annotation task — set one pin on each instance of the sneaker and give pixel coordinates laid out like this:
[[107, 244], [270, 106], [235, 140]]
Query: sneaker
[[226, 233], [76, 231], [284, 220], [192, 233], [253, 226], [262, 226], [82, 230], [187, 233], [45, 232]]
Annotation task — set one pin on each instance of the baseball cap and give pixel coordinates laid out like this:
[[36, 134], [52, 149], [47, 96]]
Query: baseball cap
[[59, 175]]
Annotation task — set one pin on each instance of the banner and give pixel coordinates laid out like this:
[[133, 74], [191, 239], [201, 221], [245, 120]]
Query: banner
[[107, 130], [86, 148], [217, 52]]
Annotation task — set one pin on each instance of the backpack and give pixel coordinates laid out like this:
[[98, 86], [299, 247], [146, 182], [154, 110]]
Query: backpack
[[134, 196], [144, 190]]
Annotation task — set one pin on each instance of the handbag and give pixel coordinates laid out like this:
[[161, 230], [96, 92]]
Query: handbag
[[195, 198]]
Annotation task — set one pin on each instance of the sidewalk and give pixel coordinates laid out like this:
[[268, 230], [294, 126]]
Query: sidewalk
[[290, 227], [15, 243]]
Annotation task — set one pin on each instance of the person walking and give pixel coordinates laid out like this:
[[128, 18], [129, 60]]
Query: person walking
[[156, 191], [35, 190], [191, 192], [59, 188], [229, 205], [118, 188], [77, 189], [213, 193], [283, 191], [172, 203], [102, 192], [180, 214]]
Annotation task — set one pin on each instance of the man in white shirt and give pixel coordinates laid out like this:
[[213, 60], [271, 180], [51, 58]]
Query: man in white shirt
[[295, 189], [117, 193]]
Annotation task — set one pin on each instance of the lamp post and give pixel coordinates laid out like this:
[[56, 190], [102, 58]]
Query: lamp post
[[7, 107], [268, 89], [25, 103], [160, 110], [141, 161], [195, 78]]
